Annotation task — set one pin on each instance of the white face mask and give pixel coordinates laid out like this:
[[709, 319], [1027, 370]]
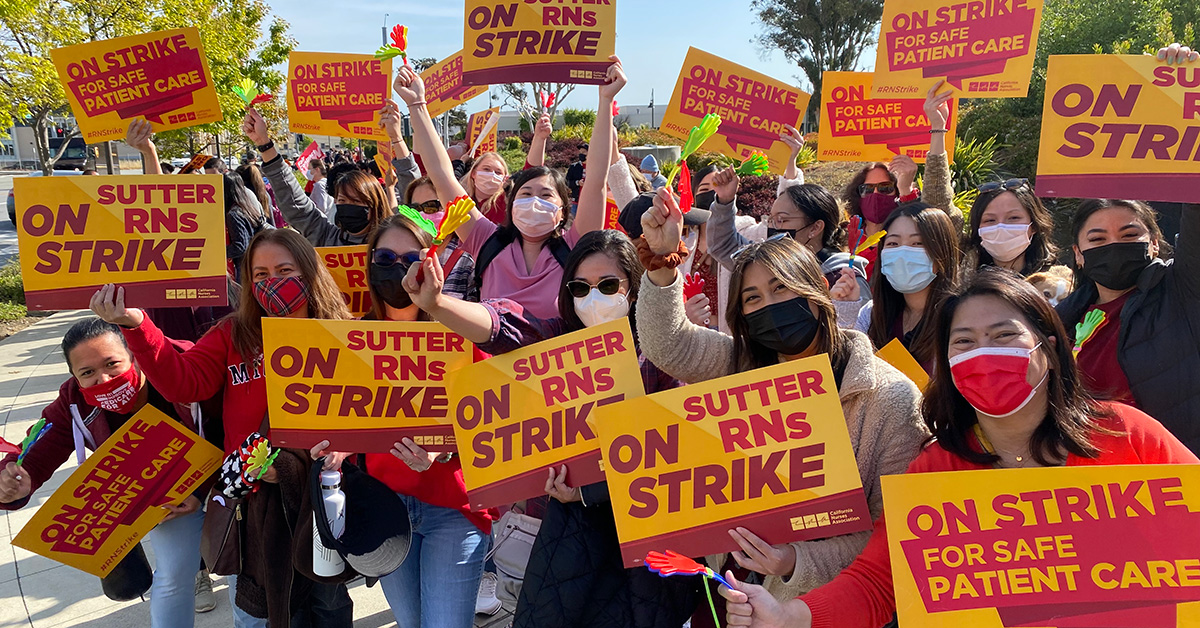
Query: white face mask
[[488, 183], [597, 308], [1004, 242], [535, 217], [908, 268]]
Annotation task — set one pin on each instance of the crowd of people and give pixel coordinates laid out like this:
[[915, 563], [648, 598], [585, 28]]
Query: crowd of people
[[986, 304]]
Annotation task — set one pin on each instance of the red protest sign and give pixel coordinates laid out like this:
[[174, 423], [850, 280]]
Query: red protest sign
[[857, 127], [337, 94], [444, 87]]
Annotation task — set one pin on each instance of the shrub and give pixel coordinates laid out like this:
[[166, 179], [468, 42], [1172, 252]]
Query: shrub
[[756, 195], [512, 142], [515, 158], [562, 153], [12, 292], [579, 132], [579, 117]]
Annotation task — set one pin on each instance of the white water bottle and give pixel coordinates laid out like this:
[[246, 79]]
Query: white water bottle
[[326, 561]]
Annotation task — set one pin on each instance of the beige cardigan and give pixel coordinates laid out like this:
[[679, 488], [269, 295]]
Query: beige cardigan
[[881, 407]]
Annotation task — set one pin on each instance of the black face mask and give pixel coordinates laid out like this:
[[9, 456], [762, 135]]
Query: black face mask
[[704, 200], [352, 218], [1116, 266], [386, 282], [772, 232], [787, 328]]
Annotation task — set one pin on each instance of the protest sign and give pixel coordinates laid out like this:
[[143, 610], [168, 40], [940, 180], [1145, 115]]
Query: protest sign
[[113, 499], [197, 163], [337, 94], [313, 151], [517, 414], [481, 131], [161, 76], [753, 107], [1065, 547], [857, 127], [1116, 123], [348, 265], [161, 237], [896, 354], [444, 87], [983, 49], [766, 450], [361, 385], [512, 41]]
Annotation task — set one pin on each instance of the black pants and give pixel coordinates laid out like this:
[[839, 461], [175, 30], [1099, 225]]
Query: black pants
[[329, 606]]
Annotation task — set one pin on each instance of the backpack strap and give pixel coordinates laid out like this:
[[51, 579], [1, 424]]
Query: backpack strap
[[497, 242]]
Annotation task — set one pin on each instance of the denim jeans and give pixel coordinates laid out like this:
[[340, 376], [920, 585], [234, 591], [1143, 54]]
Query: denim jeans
[[328, 605], [437, 584], [176, 545], [241, 619]]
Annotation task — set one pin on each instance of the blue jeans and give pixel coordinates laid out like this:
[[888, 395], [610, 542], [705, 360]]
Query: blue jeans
[[176, 545], [436, 585], [241, 619]]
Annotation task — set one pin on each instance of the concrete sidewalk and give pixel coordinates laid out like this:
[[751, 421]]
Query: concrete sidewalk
[[39, 593]]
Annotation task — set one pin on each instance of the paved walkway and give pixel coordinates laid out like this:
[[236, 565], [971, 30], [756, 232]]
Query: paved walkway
[[36, 592]]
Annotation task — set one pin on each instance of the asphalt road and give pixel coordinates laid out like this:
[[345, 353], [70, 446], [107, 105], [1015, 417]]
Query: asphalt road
[[8, 231]]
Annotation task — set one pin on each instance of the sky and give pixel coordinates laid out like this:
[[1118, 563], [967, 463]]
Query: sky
[[653, 37]]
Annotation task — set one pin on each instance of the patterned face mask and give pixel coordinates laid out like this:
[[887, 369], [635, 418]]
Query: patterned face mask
[[281, 296]]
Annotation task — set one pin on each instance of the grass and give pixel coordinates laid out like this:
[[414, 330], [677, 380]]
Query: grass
[[12, 292]]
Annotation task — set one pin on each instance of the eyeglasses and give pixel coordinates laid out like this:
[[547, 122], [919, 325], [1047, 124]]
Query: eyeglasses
[[746, 247], [385, 258], [430, 207], [777, 223], [607, 286], [1011, 184], [882, 188]]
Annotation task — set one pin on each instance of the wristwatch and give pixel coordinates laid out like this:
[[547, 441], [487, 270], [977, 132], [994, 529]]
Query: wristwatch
[[266, 147]]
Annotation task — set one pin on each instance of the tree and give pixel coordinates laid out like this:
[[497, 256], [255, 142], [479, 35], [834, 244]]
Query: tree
[[819, 35], [527, 102], [231, 30]]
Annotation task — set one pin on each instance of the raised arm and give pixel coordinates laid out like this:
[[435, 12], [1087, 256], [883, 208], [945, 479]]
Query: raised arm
[[792, 174], [297, 208], [403, 162], [138, 136], [938, 191], [537, 147], [590, 215], [469, 320], [721, 230], [620, 181], [426, 142]]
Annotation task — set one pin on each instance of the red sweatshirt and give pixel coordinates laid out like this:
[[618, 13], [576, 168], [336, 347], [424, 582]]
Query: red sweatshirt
[[212, 365], [441, 485], [862, 595]]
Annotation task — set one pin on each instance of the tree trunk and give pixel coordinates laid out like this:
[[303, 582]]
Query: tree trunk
[[41, 142]]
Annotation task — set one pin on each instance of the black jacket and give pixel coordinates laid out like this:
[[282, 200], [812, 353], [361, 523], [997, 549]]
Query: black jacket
[[576, 579], [1159, 338]]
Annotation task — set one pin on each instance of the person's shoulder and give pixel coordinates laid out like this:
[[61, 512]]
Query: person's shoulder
[[1128, 427]]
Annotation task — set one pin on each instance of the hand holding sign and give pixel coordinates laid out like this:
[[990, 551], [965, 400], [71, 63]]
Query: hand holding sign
[[614, 80], [389, 120], [937, 106], [556, 486], [109, 304], [761, 557], [1176, 53]]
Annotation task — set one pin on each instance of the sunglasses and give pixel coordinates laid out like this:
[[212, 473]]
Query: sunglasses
[[607, 286], [881, 188], [430, 207], [386, 258], [746, 247], [1011, 184]]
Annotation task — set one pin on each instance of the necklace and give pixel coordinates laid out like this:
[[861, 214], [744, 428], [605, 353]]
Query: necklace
[[991, 449]]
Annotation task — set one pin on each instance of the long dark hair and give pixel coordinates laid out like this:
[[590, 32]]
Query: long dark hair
[[361, 185], [1040, 254], [238, 199], [818, 203], [798, 270], [1072, 412], [324, 297], [941, 243], [398, 221], [253, 179], [604, 242], [1143, 212], [850, 192]]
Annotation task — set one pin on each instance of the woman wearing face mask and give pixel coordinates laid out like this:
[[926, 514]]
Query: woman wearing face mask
[[107, 389], [919, 264], [361, 202], [780, 310], [575, 576], [284, 279], [1144, 351], [484, 183], [1010, 228], [421, 196], [1005, 394], [521, 260]]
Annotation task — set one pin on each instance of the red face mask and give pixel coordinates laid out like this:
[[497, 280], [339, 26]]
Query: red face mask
[[118, 394], [994, 379], [281, 296]]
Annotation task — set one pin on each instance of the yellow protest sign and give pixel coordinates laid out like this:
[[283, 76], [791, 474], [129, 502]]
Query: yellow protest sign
[[766, 450], [857, 127], [753, 107], [1115, 123], [517, 414], [481, 131], [113, 499], [1064, 546], [982, 49], [337, 94], [444, 87], [361, 385], [898, 356], [161, 237], [511, 41], [161, 76], [348, 265]]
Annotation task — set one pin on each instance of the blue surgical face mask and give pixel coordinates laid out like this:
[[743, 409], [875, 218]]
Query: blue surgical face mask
[[907, 268]]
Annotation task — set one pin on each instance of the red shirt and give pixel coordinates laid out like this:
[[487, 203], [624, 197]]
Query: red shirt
[[862, 595], [1097, 359], [441, 485], [212, 365]]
